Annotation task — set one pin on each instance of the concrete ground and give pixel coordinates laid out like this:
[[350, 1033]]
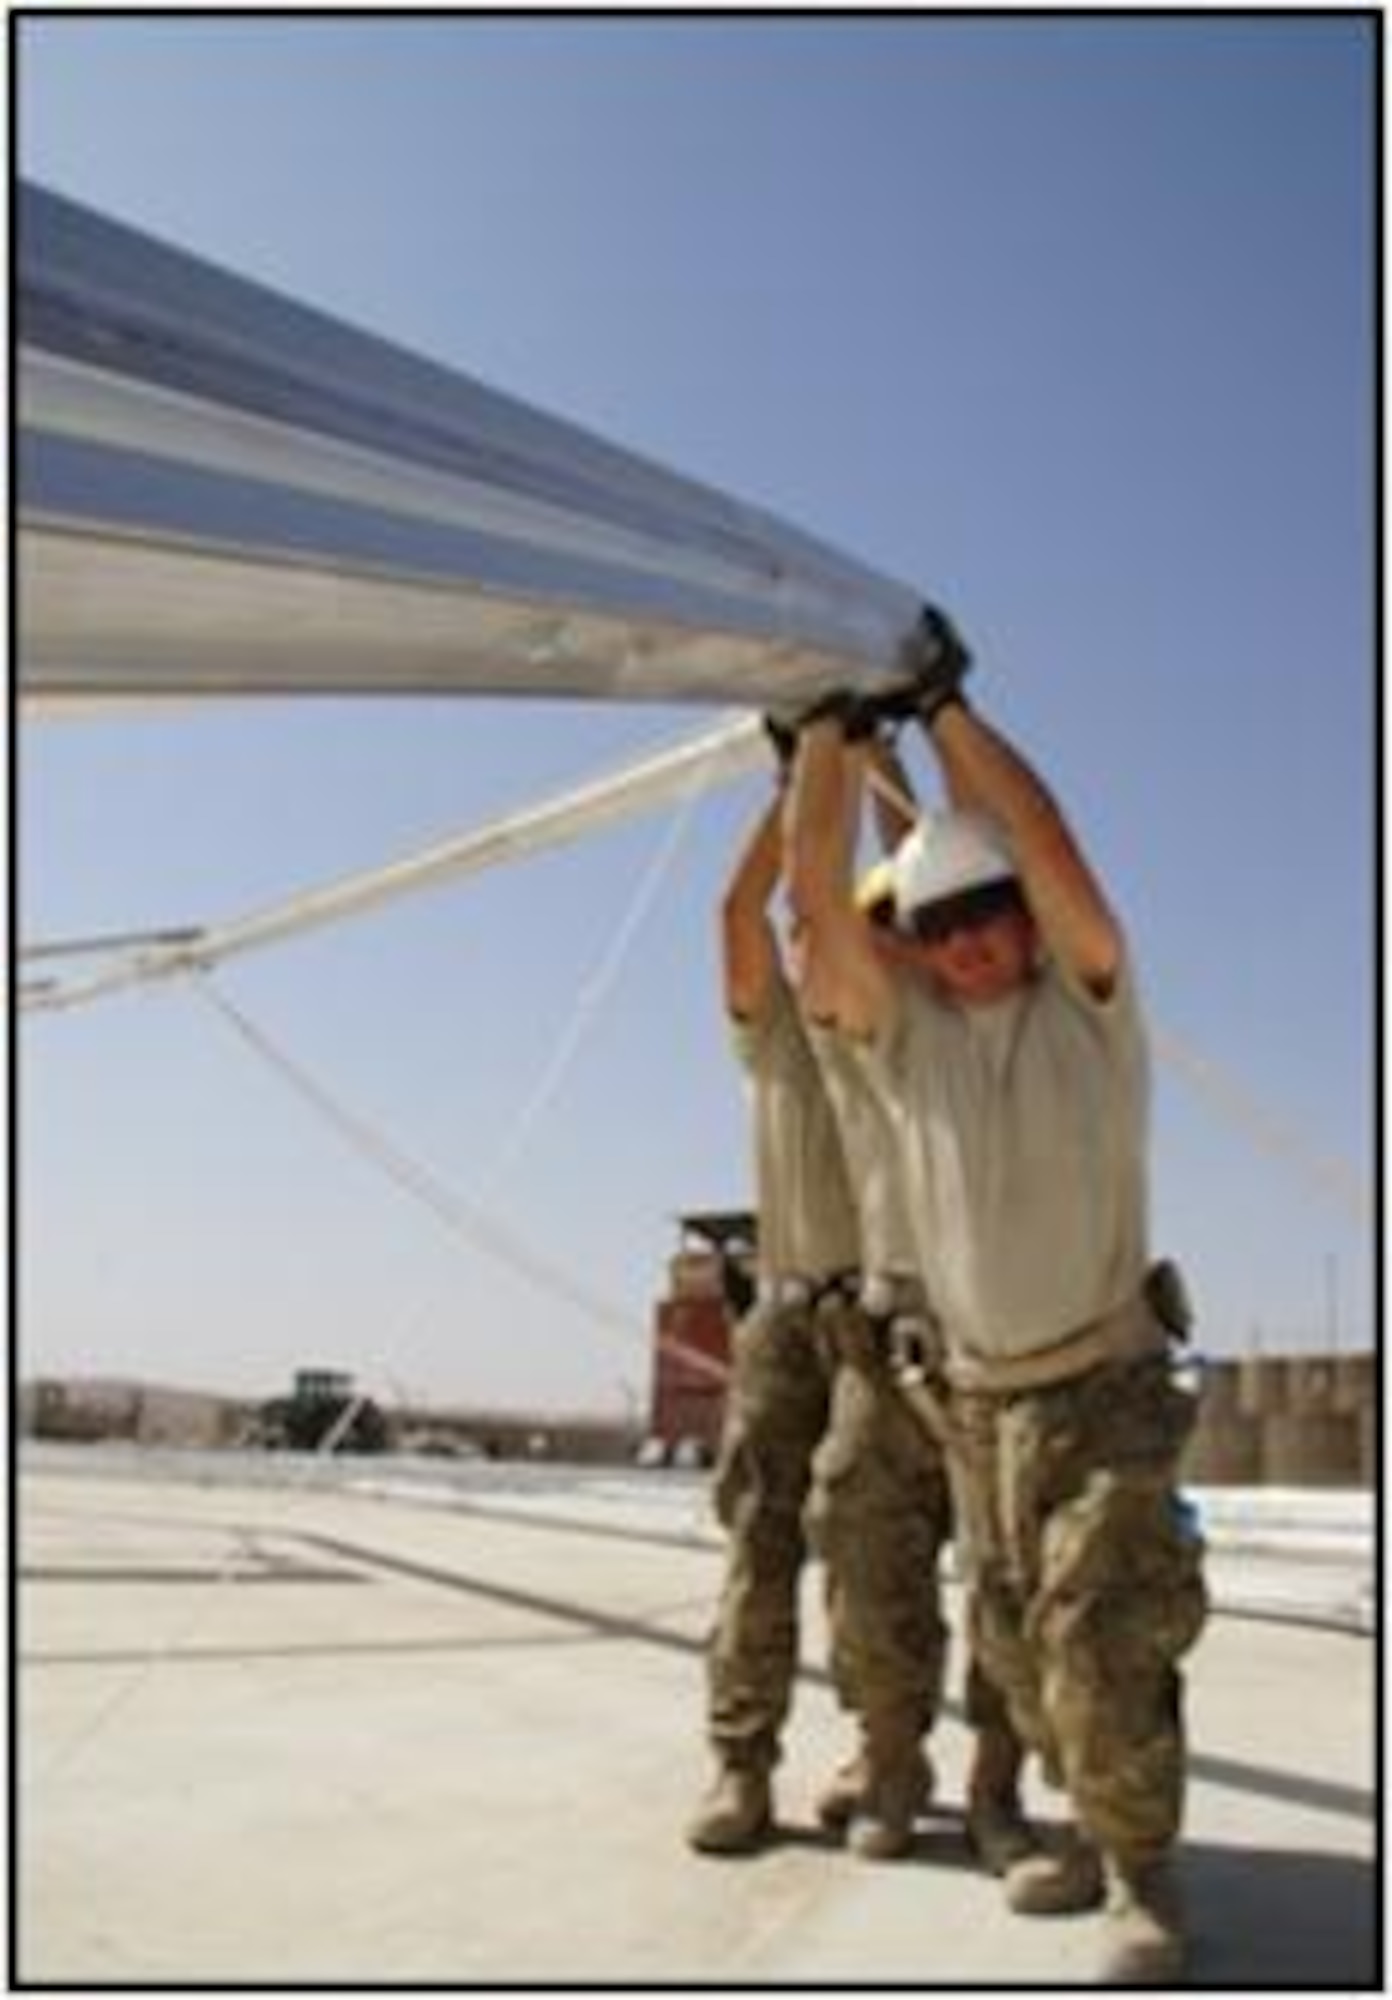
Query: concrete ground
[[275, 1736]]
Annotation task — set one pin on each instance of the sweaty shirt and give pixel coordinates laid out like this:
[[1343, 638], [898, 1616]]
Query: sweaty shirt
[[807, 1220], [1023, 1135]]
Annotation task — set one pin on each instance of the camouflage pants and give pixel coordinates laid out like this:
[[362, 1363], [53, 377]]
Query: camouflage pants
[[1087, 1587], [879, 1515], [814, 1441]]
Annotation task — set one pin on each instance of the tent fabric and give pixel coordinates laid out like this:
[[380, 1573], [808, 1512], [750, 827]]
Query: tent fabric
[[223, 490]]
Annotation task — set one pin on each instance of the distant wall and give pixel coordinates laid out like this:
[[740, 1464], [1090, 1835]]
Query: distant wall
[[1264, 1420], [578, 1440], [1287, 1420], [85, 1410]]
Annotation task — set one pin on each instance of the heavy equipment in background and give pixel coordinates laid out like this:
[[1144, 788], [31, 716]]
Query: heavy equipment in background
[[322, 1404]]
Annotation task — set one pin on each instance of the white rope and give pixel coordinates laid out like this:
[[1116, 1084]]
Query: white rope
[[109, 941], [157, 1654], [1332, 1177], [598, 986], [702, 773], [686, 769], [480, 1231], [725, 751], [463, 1220], [902, 801]]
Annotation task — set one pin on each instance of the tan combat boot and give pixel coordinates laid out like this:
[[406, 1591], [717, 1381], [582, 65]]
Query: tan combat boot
[[900, 1785], [847, 1791], [736, 1815], [1058, 1880], [998, 1833], [1145, 1944]]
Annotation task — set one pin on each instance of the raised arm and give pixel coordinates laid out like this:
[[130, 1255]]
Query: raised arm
[[1067, 900], [892, 795], [843, 983], [749, 949]]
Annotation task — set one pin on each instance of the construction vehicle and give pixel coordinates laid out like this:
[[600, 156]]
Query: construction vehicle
[[323, 1405]]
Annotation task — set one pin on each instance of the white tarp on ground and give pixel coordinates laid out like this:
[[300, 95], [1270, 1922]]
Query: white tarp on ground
[[223, 491]]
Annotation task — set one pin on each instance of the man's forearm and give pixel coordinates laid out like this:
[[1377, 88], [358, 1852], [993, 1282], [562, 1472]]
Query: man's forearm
[[756, 873], [896, 810], [818, 830], [748, 947], [983, 771]]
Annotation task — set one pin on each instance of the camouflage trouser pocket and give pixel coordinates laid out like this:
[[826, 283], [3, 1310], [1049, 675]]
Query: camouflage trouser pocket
[[875, 1471], [731, 1481], [1122, 1579], [1180, 1589], [762, 1475], [1087, 1579], [1131, 1415], [877, 1515], [776, 1414], [1121, 1601]]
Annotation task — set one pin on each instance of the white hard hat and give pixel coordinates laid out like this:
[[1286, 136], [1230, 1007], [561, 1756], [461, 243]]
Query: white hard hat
[[876, 887], [946, 854]]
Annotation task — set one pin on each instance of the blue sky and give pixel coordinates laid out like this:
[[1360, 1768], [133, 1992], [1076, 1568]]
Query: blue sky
[[1067, 323]]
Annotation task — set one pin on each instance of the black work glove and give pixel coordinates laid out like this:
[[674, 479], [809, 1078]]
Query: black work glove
[[781, 732], [935, 662], [895, 702], [859, 715], [838, 704], [841, 705]]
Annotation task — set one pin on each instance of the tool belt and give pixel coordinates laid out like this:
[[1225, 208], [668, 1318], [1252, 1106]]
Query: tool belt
[[794, 1290], [915, 1358], [1127, 1333], [1158, 1317], [911, 1341], [886, 1295]]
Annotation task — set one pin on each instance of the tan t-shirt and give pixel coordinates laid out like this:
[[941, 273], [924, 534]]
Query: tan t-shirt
[[807, 1220], [871, 1146], [1023, 1130]]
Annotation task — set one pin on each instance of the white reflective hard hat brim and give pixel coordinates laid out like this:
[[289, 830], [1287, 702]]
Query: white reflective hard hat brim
[[947, 854]]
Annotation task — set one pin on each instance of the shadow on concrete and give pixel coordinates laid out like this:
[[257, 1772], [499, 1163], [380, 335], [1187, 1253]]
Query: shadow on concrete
[[1269, 1918], [1260, 1919], [1283, 1787], [1287, 1788], [262, 1572], [199, 1654], [698, 1541]]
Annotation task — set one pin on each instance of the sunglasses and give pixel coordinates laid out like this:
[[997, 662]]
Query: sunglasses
[[971, 911]]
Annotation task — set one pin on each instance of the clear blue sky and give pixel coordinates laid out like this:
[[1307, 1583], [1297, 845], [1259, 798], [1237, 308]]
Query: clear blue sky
[[1068, 323]]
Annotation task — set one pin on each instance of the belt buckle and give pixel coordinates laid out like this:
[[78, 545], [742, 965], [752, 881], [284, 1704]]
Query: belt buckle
[[911, 1344]]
